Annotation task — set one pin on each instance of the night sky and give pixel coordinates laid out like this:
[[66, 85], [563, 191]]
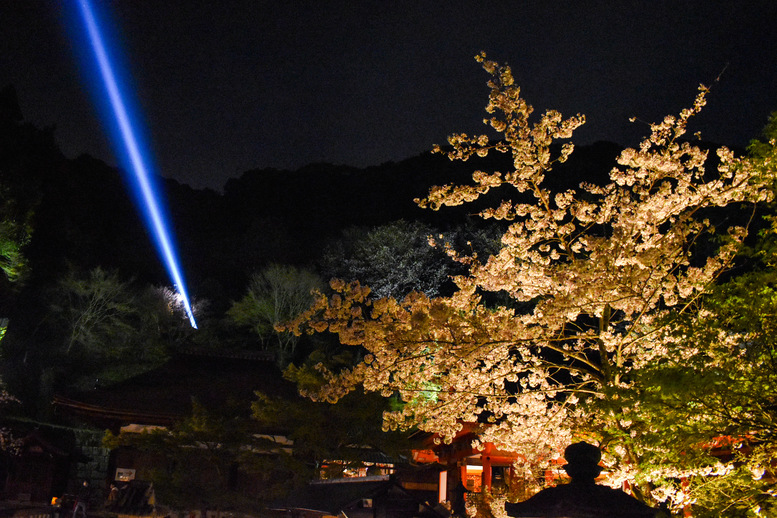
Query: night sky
[[229, 86]]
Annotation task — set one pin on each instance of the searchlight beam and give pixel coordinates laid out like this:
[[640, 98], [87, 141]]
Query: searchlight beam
[[149, 197]]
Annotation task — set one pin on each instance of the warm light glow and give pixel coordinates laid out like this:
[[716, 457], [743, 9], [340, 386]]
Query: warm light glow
[[134, 158], [442, 487]]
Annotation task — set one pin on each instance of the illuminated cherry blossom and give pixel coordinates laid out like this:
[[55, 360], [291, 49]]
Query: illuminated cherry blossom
[[594, 275]]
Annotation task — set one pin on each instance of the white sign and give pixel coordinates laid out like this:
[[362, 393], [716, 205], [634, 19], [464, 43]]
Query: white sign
[[125, 474]]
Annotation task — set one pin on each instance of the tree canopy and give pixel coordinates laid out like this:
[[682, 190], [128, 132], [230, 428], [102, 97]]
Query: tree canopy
[[275, 294], [702, 418], [597, 279]]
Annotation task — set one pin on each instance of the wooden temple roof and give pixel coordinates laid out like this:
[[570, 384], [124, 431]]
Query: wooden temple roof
[[165, 394]]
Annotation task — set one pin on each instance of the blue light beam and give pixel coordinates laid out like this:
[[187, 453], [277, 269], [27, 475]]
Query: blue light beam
[[135, 157]]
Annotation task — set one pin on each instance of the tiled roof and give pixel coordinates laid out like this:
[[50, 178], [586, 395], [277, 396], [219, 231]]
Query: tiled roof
[[334, 496], [165, 394]]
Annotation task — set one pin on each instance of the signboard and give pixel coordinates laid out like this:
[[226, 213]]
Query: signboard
[[124, 474]]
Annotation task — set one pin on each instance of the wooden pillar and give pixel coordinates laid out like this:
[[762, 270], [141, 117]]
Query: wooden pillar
[[686, 508]]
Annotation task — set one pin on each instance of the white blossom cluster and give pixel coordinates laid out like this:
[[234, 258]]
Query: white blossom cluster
[[593, 274]]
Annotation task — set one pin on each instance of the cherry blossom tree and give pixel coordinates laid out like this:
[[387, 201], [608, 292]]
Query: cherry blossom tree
[[702, 418], [595, 277], [395, 259]]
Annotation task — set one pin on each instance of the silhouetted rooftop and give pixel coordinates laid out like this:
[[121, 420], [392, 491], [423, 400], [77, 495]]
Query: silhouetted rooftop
[[165, 394]]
